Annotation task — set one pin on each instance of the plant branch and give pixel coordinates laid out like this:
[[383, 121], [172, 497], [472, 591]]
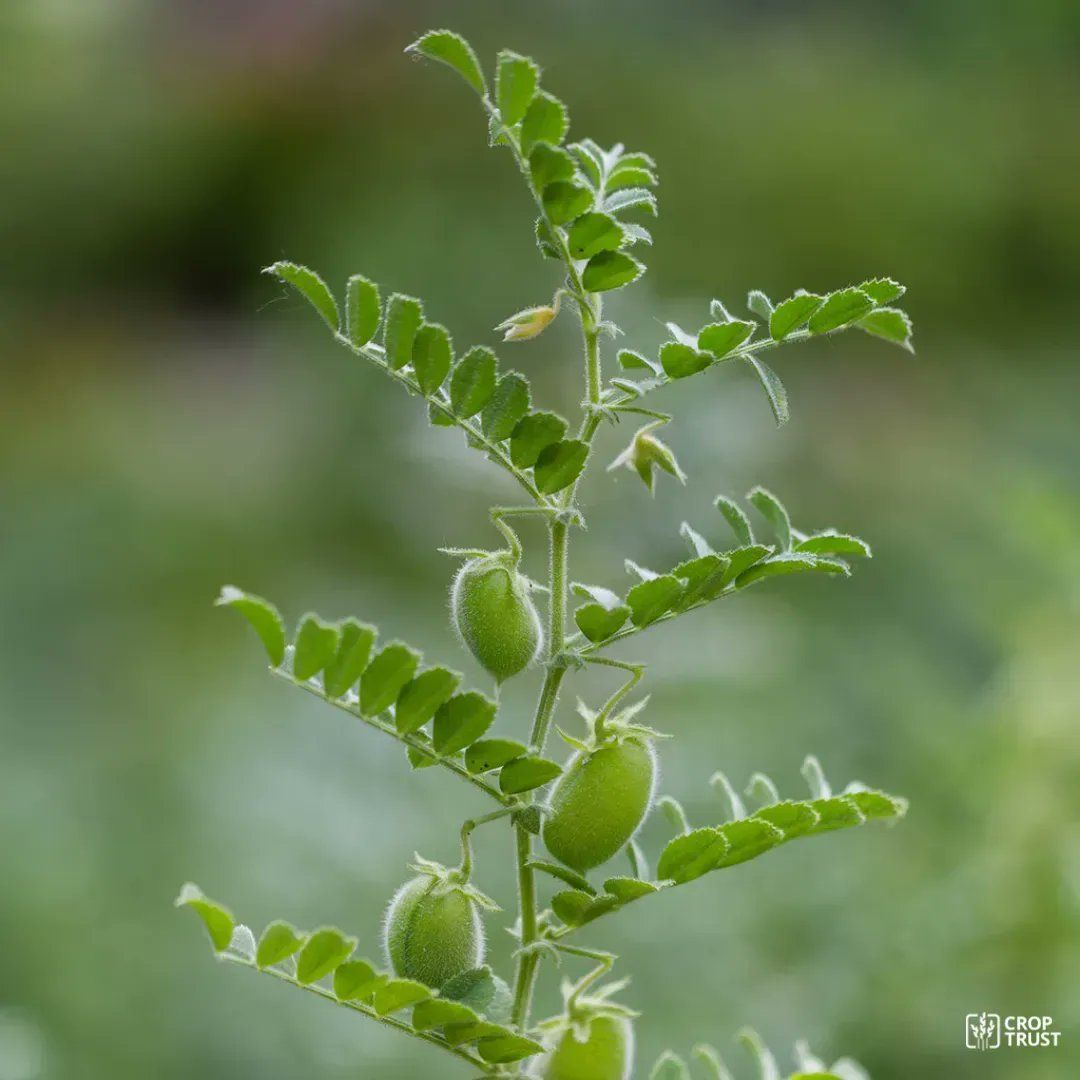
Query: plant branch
[[371, 1014], [408, 740]]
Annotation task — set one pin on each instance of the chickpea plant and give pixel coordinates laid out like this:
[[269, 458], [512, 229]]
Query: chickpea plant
[[568, 818]]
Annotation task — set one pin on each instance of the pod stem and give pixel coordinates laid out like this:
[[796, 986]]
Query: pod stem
[[606, 961], [636, 673], [464, 871], [499, 514]]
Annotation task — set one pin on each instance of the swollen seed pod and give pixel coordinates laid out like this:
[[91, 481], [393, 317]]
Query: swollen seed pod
[[433, 931], [493, 612], [600, 801], [606, 1054]]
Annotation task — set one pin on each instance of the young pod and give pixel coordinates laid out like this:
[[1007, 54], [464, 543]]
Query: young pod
[[493, 611], [600, 801], [433, 930], [592, 1040]]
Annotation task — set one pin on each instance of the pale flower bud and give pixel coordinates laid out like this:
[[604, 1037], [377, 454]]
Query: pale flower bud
[[530, 323], [646, 453]]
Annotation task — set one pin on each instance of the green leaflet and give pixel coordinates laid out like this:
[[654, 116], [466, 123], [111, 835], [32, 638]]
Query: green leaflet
[[883, 290], [772, 509], [486, 755], [592, 233], [507, 406], [892, 324], [651, 599], [420, 698], [527, 774], [516, 80], [311, 287], [680, 360], [793, 313], [264, 618], [432, 355], [355, 643], [720, 339], [404, 315], [533, 434], [323, 951], [363, 310], [217, 919], [774, 389], [611, 270], [454, 51], [546, 120], [279, 941], [386, 677], [472, 383], [840, 309], [461, 721], [598, 623], [559, 465], [565, 200], [316, 645], [550, 164]]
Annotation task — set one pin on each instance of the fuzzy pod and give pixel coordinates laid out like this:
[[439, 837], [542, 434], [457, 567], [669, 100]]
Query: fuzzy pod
[[599, 802], [606, 1054], [432, 932], [492, 610]]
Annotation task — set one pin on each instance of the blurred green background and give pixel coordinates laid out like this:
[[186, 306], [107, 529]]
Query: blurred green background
[[172, 422]]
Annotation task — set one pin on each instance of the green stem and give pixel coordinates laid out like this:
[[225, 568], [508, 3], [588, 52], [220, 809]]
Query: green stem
[[467, 828]]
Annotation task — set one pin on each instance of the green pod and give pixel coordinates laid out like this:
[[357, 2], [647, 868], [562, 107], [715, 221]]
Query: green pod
[[607, 1053], [599, 802], [495, 616], [432, 932]]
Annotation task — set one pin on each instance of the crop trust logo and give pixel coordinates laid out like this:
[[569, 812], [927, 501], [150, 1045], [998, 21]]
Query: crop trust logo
[[985, 1031]]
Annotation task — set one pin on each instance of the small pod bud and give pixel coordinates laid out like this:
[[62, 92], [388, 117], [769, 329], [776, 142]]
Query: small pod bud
[[493, 611], [530, 323], [645, 454], [592, 1040], [433, 930]]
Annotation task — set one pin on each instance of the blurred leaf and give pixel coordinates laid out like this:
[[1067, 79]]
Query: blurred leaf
[[627, 889], [385, 677], [840, 309], [353, 651], [419, 699], [611, 270], [631, 199], [759, 304], [774, 389], [507, 1047], [516, 79], [508, 404], [472, 383], [437, 1012], [592, 233], [565, 200], [559, 465], [634, 361], [532, 434], [263, 617], [316, 645], [311, 287], [546, 120], [432, 355], [629, 175], [454, 50], [792, 313], [598, 623], [363, 309], [669, 1066], [690, 856], [571, 906], [833, 543], [486, 755], [774, 512], [323, 951], [218, 920], [473, 988], [604, 597], [892, 324], [403, 317], [279, 941], [680, 361], [461, 721], [651, 599], [723, 338], [526, 774], [789, 563]]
